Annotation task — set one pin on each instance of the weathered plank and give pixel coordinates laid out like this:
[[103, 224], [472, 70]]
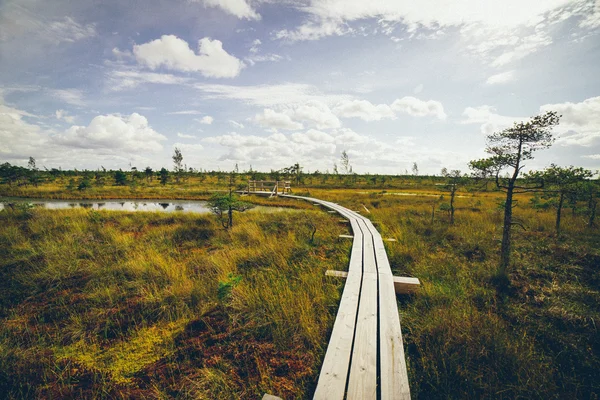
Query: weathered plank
[[334, 372], [405, 285], [346, 236], [362, 382], [270, 397], [393, 373], [336, 274], [402, 284]]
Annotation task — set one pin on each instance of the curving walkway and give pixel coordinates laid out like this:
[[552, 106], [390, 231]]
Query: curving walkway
[[365, 354]]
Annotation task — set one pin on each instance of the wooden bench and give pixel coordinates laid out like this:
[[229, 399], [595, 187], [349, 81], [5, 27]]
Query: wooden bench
[[365, 354]]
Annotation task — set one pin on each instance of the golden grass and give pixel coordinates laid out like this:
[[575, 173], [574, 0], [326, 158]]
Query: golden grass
[[105, 304]]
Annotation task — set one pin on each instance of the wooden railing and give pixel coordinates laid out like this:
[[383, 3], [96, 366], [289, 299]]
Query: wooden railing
[[273, 187]]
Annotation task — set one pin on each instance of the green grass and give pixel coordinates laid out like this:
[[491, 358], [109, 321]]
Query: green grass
[[146, 305]]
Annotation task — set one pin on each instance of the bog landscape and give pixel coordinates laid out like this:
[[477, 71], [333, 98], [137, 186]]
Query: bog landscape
[[234, 302]]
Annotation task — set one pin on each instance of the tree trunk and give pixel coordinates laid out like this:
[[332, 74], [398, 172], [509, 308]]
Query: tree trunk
[[558, 212], [230, 216], [452, 193], [592, 203], [505, 247]]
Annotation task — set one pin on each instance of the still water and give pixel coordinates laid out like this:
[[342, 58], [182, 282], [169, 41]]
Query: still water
[[195, 206]]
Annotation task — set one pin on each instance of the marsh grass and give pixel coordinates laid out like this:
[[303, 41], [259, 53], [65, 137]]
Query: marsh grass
[[214, 314], [148, 305], [466, 337]]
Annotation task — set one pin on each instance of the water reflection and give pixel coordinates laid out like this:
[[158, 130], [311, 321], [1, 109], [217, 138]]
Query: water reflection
[[119, 205], [126, 205]]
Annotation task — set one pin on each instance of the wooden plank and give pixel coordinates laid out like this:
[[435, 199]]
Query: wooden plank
[[402, 284], [270, 397], [346, 236], [405, 285], [362, 382], [336, 274], [390, 240], [334, 371], [336, 364], [393, 373]]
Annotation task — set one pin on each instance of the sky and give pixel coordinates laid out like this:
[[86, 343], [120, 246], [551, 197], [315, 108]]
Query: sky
[[266, 84]]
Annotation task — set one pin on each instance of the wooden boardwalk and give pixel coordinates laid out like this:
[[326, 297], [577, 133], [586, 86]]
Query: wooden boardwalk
[[365, 355]]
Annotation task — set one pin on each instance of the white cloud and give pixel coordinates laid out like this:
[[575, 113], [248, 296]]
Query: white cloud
[[529, 44], [174, 53], [70, 96], [63, 115], [592, 16], [289, 94], [316, 113], [504, 31], [489, 119], [238, 8], [184, 136], [255, 46], [188, 147], [207, 120], [114, 132], [364, 110], [236, 124], [500, 78], [580, 122], [185, 112], [68, 30], [433, 13], [419, 108], [18, 138], [275, 120], [252, 60], [312, 136], [16, 21], [592, 156], [314, 31], [418, 89], [128, 79]]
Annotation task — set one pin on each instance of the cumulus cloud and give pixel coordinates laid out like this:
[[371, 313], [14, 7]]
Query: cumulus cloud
[[580, 122], [63, 115], [238, 8], [500, 78], [184, 136], [174, 53], [275, 120], [206, 120], [317, 114], [364, 110], [368, 111], [114, 132], [419, 108], [489, 119], [18, 138]]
